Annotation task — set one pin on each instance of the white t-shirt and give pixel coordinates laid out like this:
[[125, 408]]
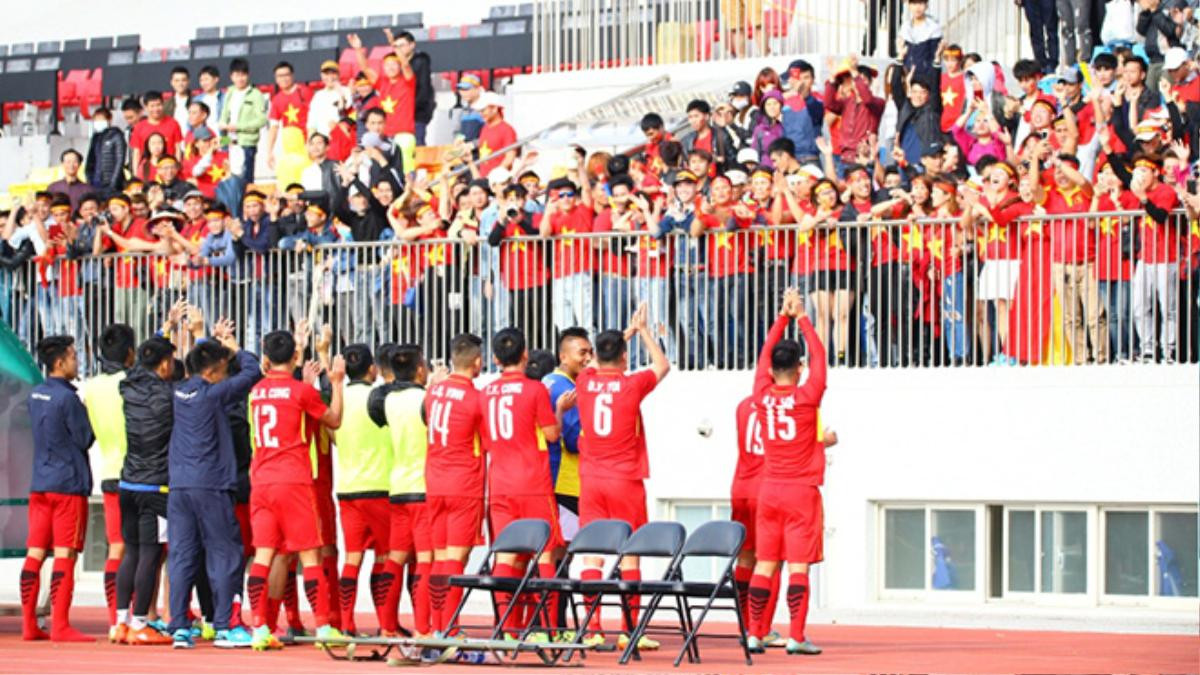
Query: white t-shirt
[[324, 110], [234, 100], [181, 115]]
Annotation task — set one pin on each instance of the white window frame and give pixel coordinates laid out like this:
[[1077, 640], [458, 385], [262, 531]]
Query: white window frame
[[929, 594], [1037, 597], [1150, 599]]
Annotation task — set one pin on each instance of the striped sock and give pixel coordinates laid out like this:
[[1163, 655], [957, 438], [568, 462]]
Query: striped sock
[[759, 594], [110, 588], [348, 595], [797, 600]]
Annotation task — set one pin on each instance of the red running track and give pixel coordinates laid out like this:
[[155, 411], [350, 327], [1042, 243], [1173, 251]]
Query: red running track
[[847, 649]]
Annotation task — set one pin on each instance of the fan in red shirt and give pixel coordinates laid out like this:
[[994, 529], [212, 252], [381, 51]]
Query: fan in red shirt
[[790, 514], [283, 503], [518, 422], [1156, 274], [155, 122], [612, 441], [999, 241], [454, 473], [495, 135], [522, 269], [571, 288], [397, 87], [289, 108], [208, 165]]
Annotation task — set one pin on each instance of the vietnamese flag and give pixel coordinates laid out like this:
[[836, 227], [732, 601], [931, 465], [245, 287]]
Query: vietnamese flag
[[1031, 311], [954, 99]]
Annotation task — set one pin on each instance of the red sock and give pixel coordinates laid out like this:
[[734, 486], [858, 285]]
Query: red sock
[[235, 612], [741, 580], [329, 570], [62, 589], [797, 600], [549, 619], [592, 574], [512, 624], [316, 589], [31, 583], [273, 605], [378, 596], [769, 615], [110, 588], [393, 583], [633, 600], [453, 593], [420, 599], [256, 590], [348, 587], [291, 601], [759, 594]]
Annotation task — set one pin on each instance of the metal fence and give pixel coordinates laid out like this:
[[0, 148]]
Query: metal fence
[[590, 34], [1098, 288]]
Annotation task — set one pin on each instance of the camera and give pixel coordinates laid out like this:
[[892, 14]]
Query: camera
[[512, 212]]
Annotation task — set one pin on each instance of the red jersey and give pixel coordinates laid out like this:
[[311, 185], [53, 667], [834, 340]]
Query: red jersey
[[281, 408], [612, 438], [1159, 243], [612, 258], [1111, 263], [831, 251], [1072, 240], [806, 248], [999, 239], [493, 137], [167, 127], [521, 265], [398, 99], [748, 474], [789, 414], [515, 410], [206, 180], [653, 255], [572, 255], [727, 249], [954, 97], [290, 109], [454, 463]]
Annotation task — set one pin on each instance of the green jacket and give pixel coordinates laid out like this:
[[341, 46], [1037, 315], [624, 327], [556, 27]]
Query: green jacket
[[251, 118]]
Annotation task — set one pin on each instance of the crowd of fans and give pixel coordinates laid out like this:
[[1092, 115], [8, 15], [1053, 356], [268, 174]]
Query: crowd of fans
[[941, 211]]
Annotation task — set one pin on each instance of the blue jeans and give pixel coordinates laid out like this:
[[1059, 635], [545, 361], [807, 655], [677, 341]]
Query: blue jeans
[[572, 298], [259, 320], [6, 289], [48, 304], [73, 322], [954, 312], [1043, 32], [251, 152], [1115, 296], [723, 312], [691, 290], [614, 310], [419, 131], [653, 292]]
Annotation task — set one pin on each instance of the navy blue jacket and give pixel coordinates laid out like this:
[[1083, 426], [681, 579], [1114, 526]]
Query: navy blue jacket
[[62, 435], [201, 454]]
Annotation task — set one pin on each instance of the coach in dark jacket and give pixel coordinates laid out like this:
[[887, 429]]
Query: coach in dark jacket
[[106, 155], [204, 473], [146, 393], [62, 435]]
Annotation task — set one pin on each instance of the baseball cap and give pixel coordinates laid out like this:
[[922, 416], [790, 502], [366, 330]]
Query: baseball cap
[[193, 194], [202, 133], [747, 155], [469, 81], [499, 176], [488, 98], [1174, 58], [740, 89], [1069, 76], [812, 171], [1147, 129], [330, 66], [736, 176], [684, 177]]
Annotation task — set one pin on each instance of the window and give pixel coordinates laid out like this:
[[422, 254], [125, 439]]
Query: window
[[1064, 552], [1150, 553], [692, 516], [1126, 558], [930, 549], [1175, 554]]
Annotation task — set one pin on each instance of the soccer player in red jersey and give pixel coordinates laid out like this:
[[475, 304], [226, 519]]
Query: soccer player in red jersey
[[283, 502], [789, 519], [454, 472], [747, 479], [612, 445], [518, 423]]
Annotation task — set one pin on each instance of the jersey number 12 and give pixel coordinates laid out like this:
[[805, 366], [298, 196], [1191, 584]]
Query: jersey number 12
[[265, 419]]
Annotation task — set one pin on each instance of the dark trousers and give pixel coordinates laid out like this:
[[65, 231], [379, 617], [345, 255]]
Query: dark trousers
[[1043, 32], [875, 9], [204, 534]]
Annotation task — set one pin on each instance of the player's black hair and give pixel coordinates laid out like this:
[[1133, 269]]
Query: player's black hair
[[1025, 69], [541, 363], [373, 112], [131, 103], [211, 71], [617, 165], [406, 361], [52, 349], [180, 70], [464, 349], [383, 356], [670, 152], [282, 65], [785, 355], [570, 333], [152, 95], [782, 144], [1138, 60], [984, 163], [153, 352], [178, 371], [71, 151], [358, 360], [406, 35], [205, 355], [239, 65], [699, 105], [702, 154], [620, 179], [202, 105], [610, 346], [118, 343], [279, 347], [651, 121], [508, 346], [1104, 60]]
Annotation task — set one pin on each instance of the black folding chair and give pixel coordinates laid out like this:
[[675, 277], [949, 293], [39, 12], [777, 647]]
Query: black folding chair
[[599, 537], [527, 536], [720, 539], [652, 540]]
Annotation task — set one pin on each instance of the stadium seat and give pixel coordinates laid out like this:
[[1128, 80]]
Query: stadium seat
[[778, 19]]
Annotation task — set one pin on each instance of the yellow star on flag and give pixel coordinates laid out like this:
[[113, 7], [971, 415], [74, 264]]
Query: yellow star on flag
[[724, 240], [935, 248], [804, 238], [1033, 228], [948, 97], [834, 240], [766, 238], [1196, 228], [1147, 221], [216, 174], [436, 255], [997, 233], [520, 246], [1106, 226], [484, 151], [914, 238], [876, 232], [388, 104], [292, 114]]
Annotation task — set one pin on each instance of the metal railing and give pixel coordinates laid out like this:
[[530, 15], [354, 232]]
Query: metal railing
[[588, 34], [1097, 288]]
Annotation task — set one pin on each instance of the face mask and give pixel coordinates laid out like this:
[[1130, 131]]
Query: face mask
[[740, 103], [99, 125]]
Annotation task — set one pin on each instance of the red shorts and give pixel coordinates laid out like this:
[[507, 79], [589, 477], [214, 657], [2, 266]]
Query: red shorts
[[791, 523], [242, 513], [366, 523], [504, 509], [285, 516], [745, 511], [409, 527], [57, 520], [112, 518], [454, 521], [328, 513], [601, 498]]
